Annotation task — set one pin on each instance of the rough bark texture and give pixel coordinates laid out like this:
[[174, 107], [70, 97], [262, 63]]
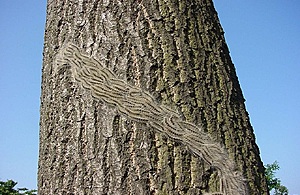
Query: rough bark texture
[[173, 49]]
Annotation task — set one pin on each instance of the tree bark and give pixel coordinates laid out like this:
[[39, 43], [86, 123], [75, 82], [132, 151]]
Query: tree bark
[[172, 52]]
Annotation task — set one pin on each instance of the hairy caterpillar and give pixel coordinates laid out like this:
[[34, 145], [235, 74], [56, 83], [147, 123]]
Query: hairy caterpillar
[[140, 106]]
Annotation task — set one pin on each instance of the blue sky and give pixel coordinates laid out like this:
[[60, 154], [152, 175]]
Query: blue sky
[[263, 38]]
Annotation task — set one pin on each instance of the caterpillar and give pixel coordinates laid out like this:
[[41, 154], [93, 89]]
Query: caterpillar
[[140, 106]]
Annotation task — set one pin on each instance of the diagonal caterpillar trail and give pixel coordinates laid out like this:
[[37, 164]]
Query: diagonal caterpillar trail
[[140, 106]]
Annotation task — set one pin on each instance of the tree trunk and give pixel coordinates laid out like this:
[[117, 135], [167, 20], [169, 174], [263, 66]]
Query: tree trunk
[[126, 87]]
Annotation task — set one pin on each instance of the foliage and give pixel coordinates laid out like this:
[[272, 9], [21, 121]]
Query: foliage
[[274, 182], [7, 188]]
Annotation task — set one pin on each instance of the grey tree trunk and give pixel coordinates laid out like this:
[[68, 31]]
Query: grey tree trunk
[[141, 97]]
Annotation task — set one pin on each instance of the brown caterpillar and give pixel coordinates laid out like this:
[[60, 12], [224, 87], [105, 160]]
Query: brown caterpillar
[[140, 106]]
